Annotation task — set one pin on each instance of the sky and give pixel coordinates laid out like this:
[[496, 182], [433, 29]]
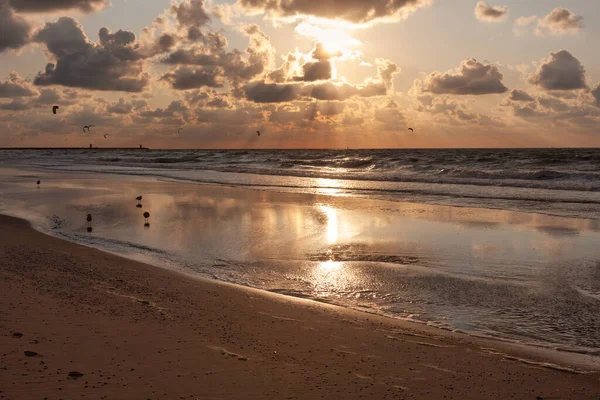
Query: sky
[[303, 73]]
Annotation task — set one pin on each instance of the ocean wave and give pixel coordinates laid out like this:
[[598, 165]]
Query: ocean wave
[[572, 170], [536, 175]]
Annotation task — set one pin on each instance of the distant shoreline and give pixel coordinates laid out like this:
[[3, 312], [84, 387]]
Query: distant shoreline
[[305, 149], [74, 148]]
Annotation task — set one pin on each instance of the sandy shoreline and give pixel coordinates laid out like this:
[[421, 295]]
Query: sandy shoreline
[[137, 332]]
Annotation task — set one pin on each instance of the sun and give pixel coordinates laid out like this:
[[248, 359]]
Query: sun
[[335, 40]]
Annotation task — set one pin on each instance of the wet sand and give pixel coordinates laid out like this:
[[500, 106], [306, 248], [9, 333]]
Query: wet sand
[[524, 277], [139, 332]]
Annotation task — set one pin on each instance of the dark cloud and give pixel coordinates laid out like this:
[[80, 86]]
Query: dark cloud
[[36, 6], [119, 38], [15, 86], [15, 31], [185, 77], [356, 11], [116, 63], [63, 38], [560, 71], [315, 71], [576, 109], [195, 56], [165, 42], [560, 21], [212, 64], [596, 94], [520, 95], [487, 13], [191, 14], [321, 68], [261, 92], [471, 78]]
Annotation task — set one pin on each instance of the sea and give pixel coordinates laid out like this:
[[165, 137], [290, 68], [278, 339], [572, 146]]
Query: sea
[[554, 181], [524, 266]]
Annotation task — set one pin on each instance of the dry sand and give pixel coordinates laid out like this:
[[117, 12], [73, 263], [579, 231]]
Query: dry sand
[[139, 332]]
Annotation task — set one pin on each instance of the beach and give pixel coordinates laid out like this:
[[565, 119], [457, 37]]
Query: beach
[[137, 331], [299, 199], [259, 286]]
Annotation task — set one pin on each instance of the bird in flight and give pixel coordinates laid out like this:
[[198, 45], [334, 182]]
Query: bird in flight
[[258, 133], [87, 127], [54, 109], [411, 129]]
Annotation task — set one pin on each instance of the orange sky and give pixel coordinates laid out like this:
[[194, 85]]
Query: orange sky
[[303, 73]]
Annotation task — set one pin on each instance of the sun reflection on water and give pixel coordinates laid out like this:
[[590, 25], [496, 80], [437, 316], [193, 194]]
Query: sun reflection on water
[[330, 266], [332, 223], [331, 187]]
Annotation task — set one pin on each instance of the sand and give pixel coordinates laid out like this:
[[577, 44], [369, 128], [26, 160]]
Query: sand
[[140, 332]]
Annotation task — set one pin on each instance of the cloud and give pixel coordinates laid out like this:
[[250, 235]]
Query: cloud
[[449, 110], [266, 92], [38, 6], [185, 77], [560, 21], [486, 13], [390, 116], [521, 24], [15, 86], [15, 31], [121, 107], [261, 92], [355, 11], [596, 93], [15, 105], [190, 13], [321, 68], [208, 98], [323, 111], [553, 104], [471, 78], [333, 91], [113, 64], [176, 108], [315, 71], [520, 95], [560, 71], [207, 64], [578, 109]]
